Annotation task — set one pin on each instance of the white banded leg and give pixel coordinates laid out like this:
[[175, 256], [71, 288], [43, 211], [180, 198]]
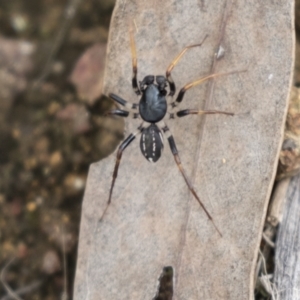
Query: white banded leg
[[132, 108]]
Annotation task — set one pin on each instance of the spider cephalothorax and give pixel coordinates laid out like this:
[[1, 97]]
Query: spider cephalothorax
[[152, 108], [153, 103]]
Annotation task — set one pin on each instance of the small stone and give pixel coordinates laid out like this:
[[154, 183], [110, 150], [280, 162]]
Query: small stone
[[55, 159], [31, 206], [51, 262]]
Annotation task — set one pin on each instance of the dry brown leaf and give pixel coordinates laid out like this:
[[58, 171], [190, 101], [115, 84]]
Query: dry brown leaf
[[153, 220]]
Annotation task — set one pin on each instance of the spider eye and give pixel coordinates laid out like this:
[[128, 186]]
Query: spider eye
[[151, 143]]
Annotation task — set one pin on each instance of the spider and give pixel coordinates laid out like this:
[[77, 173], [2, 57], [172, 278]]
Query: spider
[[152, 108]]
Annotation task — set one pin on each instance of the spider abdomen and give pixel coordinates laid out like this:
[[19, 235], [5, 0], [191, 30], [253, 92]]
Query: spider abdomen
[[151, 143], [153, 104]]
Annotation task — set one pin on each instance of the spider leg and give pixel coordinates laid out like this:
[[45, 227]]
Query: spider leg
[[197, 82], [122, 113], [123, 102], [122, 147], [134, 65], [174, 63], [174, 151], [186, 112]]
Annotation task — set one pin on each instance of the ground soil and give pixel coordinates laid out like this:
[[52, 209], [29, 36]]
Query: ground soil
[[51, 130]]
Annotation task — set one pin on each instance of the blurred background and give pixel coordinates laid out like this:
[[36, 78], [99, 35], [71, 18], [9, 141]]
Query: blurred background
[[52, 55]]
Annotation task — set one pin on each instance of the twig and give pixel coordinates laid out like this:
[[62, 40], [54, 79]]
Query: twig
[[69, 13], [21, 291], [65, 293], [24, 290], [6, 286]]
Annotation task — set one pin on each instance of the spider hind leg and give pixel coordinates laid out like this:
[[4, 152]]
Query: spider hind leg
[[174, 151]]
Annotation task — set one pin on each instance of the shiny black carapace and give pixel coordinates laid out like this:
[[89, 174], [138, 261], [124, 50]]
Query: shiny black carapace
[[152, 108]]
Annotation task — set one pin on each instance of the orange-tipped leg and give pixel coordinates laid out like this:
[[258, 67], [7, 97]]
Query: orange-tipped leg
[[174, 63], [134, 64]]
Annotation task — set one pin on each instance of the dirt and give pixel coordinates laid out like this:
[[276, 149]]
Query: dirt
[[51, 130]]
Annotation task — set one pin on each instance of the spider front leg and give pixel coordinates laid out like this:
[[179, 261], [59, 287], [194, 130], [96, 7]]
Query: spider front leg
[[174, 63], [197, 82], [122, 147], [134, 65], [174, 151]]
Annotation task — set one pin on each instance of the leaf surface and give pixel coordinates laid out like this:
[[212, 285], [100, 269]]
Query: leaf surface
[[153, 220]]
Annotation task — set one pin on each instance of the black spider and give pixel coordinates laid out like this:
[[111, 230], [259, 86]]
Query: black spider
[[152, 108]]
